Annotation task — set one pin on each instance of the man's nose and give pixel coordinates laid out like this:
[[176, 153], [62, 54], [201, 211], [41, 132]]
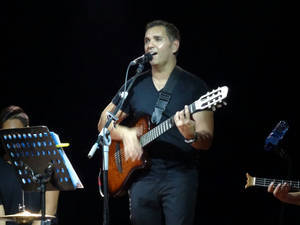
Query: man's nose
[[150, 47], [150, 44]]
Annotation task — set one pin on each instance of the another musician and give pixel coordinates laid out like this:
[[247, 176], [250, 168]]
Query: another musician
[[167, 192], [282, 192], [10, 189]]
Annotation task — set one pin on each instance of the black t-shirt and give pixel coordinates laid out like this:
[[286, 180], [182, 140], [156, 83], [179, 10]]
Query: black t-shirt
[[11, 192], [141, 101]]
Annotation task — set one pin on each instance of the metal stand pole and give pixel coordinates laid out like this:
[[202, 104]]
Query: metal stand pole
[[105, 141], [43, 180]]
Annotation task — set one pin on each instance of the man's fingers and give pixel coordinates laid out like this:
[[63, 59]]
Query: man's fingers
[[187, 112], [271, 187], [277, 189]]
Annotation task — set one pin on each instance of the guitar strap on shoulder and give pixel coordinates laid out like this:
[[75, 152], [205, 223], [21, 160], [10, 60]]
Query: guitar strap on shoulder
[[165, 96]]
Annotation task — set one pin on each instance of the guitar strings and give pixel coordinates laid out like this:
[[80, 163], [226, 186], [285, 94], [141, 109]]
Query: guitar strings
[[266, 181]]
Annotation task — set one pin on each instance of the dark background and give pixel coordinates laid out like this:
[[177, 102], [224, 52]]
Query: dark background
[[63, 61]]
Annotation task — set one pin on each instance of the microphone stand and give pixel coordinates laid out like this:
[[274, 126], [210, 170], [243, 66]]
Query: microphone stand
[[104, 139]]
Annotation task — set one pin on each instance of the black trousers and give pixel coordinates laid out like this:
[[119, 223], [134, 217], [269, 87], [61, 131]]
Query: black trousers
[[164, 196]]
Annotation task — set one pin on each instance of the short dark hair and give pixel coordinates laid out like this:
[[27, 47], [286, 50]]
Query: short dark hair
[[172, 31], [13, 112]]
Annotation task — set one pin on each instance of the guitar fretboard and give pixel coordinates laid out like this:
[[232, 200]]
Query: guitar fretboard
[[161, 128], [157, 131], [265, 182], [209, 100]]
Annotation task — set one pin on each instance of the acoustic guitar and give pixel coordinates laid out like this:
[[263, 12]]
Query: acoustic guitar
[[120, 171]]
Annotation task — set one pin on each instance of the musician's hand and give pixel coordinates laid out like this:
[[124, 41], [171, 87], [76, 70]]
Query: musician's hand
[[184, 123], [132, 146], [281, 191]]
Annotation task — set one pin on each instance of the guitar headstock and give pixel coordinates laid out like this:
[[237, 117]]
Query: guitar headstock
[[250, 181], [212, 100]]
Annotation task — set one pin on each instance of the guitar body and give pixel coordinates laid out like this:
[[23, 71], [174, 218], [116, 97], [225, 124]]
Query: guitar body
[[121, 172]]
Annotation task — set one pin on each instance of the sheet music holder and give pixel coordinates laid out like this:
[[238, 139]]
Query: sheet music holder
[[34, 154]]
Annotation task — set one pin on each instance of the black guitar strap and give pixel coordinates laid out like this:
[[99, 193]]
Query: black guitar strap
[[165, 95]]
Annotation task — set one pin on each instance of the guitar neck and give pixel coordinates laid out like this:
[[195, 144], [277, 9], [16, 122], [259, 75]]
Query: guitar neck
[[265, 182], [162, 128], [210, 100], [157, 131]]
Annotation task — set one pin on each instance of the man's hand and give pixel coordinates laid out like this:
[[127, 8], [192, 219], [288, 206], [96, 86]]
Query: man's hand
[[132, 146], [281, 191], [184, 123]]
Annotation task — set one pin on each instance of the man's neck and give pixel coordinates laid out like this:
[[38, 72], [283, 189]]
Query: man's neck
[[162, 72]]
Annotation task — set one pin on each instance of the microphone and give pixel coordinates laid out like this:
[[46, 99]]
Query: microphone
[[103, 138], [94, 147], [276, 135], [147, 57]]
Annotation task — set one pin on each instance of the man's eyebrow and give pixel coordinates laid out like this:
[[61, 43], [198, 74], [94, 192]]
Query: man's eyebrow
[[154, 37], [157, 36]]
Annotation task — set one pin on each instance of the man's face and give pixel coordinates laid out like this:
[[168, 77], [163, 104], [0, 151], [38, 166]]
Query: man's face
[[13, 123], [157, 41]]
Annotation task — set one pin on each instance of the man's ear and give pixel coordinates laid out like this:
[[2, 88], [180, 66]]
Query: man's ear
[[175, 46]]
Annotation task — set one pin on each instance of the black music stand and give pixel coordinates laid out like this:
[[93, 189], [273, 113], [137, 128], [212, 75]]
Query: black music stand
[[40, 163]]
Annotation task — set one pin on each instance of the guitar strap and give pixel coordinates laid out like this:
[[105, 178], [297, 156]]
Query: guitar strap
[[165, 95]]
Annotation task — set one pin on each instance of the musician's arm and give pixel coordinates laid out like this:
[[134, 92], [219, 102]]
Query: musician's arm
[[282, 192], [197, 129], [2, 213], [116, 131], [294, 198], [51, 202], [204, 129], [127, 135]]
